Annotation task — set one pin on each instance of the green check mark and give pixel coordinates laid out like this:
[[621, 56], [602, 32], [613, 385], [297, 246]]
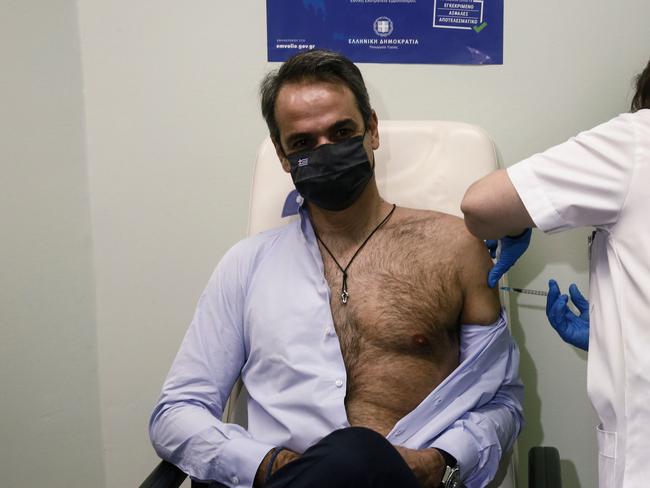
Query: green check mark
[[479, 28]]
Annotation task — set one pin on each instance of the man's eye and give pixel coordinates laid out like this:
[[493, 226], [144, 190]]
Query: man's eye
[[299, 144], [343, 133]]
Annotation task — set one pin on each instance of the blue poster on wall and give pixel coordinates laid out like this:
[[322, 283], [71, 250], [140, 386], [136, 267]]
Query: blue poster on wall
[[389, 31]]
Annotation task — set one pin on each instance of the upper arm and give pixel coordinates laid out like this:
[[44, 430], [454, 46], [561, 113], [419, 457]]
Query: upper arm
[[493, 208], [480, 303], [212, 352]]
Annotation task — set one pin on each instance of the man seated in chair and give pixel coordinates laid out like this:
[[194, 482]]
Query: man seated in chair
[[373, 352]]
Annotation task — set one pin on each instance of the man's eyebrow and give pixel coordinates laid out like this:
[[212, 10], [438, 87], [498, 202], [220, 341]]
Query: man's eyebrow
[[342, 123], [297, 135], [335, 126]]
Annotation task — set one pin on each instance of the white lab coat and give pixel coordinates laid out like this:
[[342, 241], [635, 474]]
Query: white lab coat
[[601, 178]]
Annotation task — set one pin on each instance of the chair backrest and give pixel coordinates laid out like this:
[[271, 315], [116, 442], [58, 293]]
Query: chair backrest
[[419, 164]]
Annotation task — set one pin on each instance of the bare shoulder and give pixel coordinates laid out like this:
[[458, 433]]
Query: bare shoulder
[[449, 241], [444, 227]]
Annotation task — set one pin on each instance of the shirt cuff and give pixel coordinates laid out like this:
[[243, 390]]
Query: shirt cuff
[[239, 460], [462, 445]]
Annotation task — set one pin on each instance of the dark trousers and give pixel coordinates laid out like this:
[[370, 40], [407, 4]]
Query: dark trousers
[[354, 457]]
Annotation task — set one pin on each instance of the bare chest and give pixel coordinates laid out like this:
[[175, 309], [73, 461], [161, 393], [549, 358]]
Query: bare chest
[[402, 299]]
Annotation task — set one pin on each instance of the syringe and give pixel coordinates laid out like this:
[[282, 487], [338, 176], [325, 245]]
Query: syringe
[[525, 291]]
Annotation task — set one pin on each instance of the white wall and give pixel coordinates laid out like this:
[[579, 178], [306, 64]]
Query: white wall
[[49, 398], [172, 126]]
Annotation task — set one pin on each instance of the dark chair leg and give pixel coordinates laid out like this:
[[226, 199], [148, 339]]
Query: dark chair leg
[[197, 484], [544, 468], [165, 475]]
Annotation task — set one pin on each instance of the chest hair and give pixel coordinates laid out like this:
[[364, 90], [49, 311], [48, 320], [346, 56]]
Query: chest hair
[[404, 297]]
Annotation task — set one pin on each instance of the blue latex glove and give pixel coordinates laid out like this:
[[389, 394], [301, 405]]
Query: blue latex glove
[[511, 249], [492, 245], [572, 328]]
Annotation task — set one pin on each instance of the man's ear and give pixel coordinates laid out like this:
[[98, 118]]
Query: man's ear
[[373, 130], [281, 156]]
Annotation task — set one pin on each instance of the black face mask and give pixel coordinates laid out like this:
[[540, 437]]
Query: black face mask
[[332, 176]]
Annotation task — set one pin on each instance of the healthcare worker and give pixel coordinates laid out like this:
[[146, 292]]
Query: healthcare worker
[[600, 178]]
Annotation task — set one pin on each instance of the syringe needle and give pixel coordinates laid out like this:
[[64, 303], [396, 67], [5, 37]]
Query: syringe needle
[[525, 291]]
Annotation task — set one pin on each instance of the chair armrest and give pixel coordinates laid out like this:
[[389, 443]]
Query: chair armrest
[[165, 475], [544, 468]]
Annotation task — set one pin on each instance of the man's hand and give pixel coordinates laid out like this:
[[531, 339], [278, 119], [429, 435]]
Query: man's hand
[[285, 456], [572, 328], [511, 249], [428, 465]]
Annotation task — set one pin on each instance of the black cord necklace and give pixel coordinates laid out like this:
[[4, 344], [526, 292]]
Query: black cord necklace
[[344, 286]]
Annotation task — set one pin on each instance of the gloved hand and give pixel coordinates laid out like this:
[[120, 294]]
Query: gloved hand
[[572, 328], [492, 245], [511, 249]]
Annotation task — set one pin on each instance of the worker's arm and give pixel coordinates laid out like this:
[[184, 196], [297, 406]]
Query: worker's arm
[[493, 209]]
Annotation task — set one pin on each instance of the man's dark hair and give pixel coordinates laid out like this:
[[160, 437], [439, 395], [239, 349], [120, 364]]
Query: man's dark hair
[[642, 96], [313, 65]]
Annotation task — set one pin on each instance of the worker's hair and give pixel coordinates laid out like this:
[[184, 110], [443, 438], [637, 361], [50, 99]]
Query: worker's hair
[[642, 96], [313, 65]]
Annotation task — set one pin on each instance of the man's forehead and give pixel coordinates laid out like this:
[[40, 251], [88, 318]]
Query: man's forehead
[[307, 83], [310, 100], [313, 93]]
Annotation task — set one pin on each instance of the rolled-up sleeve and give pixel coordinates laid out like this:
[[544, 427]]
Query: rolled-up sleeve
[[475, 414]]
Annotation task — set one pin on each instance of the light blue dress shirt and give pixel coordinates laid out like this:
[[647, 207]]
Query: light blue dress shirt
[[265, 315]]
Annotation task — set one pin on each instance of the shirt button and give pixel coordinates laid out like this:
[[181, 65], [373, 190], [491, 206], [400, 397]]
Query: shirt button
[[235, 480], [339, 383], [399, 431]]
